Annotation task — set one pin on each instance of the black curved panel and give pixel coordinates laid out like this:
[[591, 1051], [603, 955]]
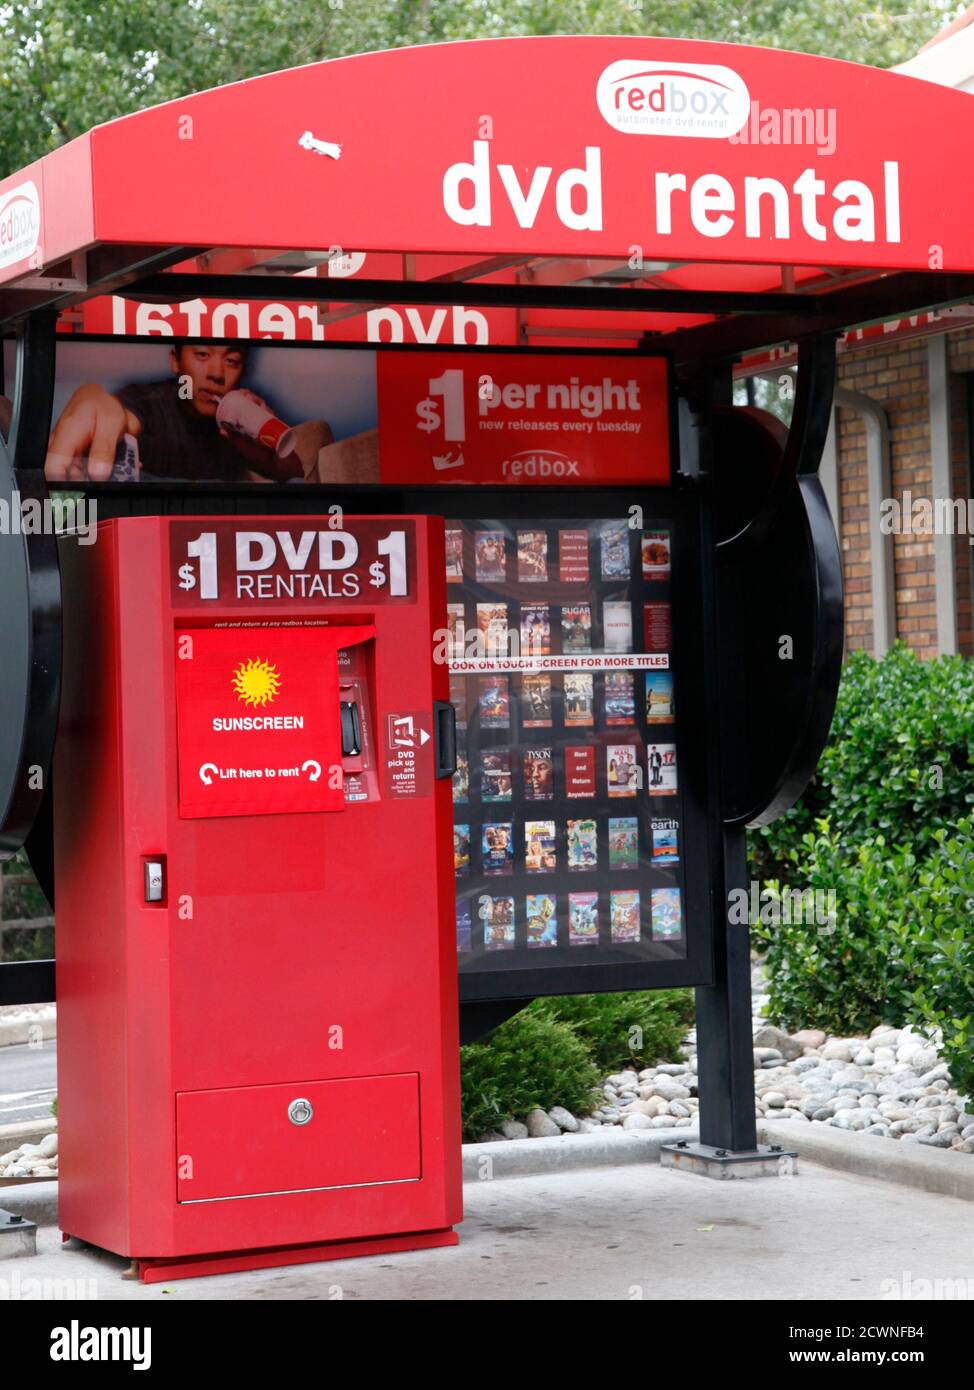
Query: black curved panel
[[15, 656], [801, 444], [30, 663], [780, 625], [39, 844], [30, 602]]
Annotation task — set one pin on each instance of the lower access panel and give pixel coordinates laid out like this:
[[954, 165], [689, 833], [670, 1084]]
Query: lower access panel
[[252, 1140]]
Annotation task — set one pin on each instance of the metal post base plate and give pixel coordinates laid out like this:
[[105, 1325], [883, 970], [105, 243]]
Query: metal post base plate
[[18, 1236], [766, 1161]]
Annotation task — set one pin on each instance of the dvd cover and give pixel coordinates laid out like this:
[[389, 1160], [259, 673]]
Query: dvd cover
[[496, 779], [579, 701], [490, 564], [537, 772], [624, 915], [623, 842], [542, 920], [659, 697], [623, 771], [497, 847], [540, 855], [665, 840], [656, 555], [583, 919], [666, 913], [536, 701], [583, 847], [532, 557], [497, 915]]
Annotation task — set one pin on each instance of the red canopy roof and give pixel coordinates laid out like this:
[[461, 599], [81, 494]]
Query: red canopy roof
[[691, 173]]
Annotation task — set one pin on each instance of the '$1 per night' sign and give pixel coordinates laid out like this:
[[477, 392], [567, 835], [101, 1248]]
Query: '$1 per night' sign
[[523, 419], [239, 564]]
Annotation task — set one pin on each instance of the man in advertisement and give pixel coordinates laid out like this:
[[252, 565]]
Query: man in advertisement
[[199, 424]]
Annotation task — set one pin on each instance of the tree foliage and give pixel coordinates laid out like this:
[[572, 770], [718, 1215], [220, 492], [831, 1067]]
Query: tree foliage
[[66, 66]]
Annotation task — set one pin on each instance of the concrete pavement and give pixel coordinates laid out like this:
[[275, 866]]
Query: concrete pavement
[[610, 1233]]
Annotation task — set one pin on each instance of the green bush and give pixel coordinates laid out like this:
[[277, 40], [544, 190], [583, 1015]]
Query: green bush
[[899, 761], [556, 1051], [941, 956], [853, 974], [531, 1060], [628, 1029], [900, 950], [885, 824]]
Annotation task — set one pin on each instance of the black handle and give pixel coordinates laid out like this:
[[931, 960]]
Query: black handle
[[444, 739]]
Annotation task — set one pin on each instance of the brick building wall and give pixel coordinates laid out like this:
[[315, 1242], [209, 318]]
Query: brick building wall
[[896, 377]]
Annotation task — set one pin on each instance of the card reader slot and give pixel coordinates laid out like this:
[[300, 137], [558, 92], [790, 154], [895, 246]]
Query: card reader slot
[[351, 729]]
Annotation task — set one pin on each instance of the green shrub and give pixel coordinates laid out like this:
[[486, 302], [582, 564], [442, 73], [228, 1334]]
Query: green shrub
[[899, 761], [884, 823], [531, 1060], [850, 976], [942, 955], [628, 1029], [900, 950]]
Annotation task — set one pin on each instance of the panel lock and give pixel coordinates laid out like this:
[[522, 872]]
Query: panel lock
[[154, 879], [300, 1111]]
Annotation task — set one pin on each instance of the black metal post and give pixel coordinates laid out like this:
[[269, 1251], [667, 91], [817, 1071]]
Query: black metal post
[[725, 1075], [725, 1061]]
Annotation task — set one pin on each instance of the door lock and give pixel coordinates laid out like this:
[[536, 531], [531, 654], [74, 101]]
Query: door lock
[[300, 1111]]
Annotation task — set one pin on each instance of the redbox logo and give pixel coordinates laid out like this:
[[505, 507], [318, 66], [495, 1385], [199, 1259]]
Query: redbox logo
[[698, 99], [539, 463], [20, 223]]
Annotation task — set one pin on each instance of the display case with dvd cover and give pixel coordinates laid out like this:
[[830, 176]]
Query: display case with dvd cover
[[574, 734]]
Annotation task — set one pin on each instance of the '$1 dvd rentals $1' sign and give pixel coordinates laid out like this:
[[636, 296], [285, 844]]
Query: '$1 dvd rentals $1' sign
[[290, 564]]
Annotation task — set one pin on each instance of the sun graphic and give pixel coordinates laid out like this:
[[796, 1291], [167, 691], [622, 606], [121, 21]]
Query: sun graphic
[[256, 682]]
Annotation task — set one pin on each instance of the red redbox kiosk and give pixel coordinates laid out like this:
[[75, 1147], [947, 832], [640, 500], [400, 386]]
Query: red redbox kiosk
[[246, 889]]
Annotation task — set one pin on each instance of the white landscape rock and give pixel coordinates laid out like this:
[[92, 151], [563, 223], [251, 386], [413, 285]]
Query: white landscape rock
[[540, 1126], [31, 1160], [563, 1118], [669, 1088], [636, 1121], [514, 1129], [891, 1085]]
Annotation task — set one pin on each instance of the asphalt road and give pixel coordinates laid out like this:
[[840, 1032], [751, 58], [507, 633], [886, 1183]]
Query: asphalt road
[[28, 1081]]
